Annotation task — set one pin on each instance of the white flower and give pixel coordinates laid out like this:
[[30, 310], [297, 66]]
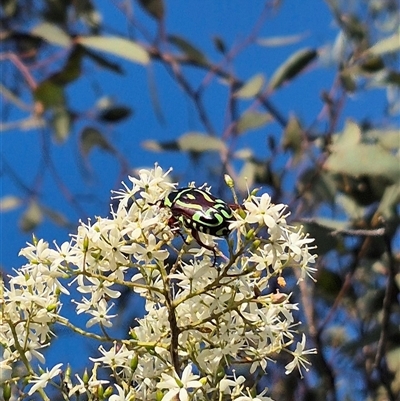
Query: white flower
[[179, 386], [42, 380], [117, 356], [299, 360], [121, 395]]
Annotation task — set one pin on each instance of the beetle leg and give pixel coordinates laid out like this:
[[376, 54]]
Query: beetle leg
[[196, 236]]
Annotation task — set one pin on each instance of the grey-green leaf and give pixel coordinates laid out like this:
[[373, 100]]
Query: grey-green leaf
[[251, 88], [387, 45], [32, 217], [61, 123], [292, 67], [198, 142], [154, 7], [52, 34], [274, 41], [191, 51], [116, 46], [364, 159], [9, 202], [92, 137], [252, 120]]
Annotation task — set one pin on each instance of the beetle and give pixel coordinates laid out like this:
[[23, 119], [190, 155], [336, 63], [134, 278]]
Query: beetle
[[199, 211]]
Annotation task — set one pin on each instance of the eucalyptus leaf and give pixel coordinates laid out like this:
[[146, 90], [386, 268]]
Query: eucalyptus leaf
[[251, 88], [115, 113], [351, 134], [252, 120], [292, 67], [91, 138], [52, 33], [31, 218], [49, 94], [293, 135], [357, 160], [198, 142], [61, 124], [389, 202], [274, 41], [9, 202], [155, 8], [390, 44], [116, 46], [388, 138], [191, 51]]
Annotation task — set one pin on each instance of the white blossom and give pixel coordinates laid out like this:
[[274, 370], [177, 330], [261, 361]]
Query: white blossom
[[42, 380], [210, 317], [179, 386]]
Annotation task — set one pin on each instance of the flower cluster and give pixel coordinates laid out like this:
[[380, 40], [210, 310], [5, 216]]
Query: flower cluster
[[200, 320]]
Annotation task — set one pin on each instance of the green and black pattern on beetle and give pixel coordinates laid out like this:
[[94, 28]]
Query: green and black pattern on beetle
[[199, 211]]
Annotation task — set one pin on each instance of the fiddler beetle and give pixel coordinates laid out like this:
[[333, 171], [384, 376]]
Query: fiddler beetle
[[199, 211]]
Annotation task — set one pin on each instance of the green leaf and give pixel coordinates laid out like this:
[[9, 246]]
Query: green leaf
[[9, 202], [116, 46], [9, 8], [388, 138], [389, 202], [293, 135], [246, 176], [252, 120], [91, 138], [52, 34], [102, 62], [49, 94], [364, 159], [387, 45], [32, 217], [115, 113], [351, 134], [199, 143], [155, 146], [251, 88], [71, 70], [292, 67], [154, 7], [347, 80], [219, 44], [61, 124], [274, 41], [191, 52]]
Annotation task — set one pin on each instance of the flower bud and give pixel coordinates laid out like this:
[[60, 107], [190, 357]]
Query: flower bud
[[229, 181], [134, 363], [6, 391], [85, 243], [108, 391], [281, 281], [51, 307], [85, 377], [250, 234], [100, 392]]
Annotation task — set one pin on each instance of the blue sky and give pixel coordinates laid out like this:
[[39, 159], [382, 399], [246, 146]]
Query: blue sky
[[197, 21]]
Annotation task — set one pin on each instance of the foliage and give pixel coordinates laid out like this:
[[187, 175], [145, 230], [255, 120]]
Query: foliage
[[337, 166]]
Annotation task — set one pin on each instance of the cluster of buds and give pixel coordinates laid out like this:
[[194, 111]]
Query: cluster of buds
[[202, 318]]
